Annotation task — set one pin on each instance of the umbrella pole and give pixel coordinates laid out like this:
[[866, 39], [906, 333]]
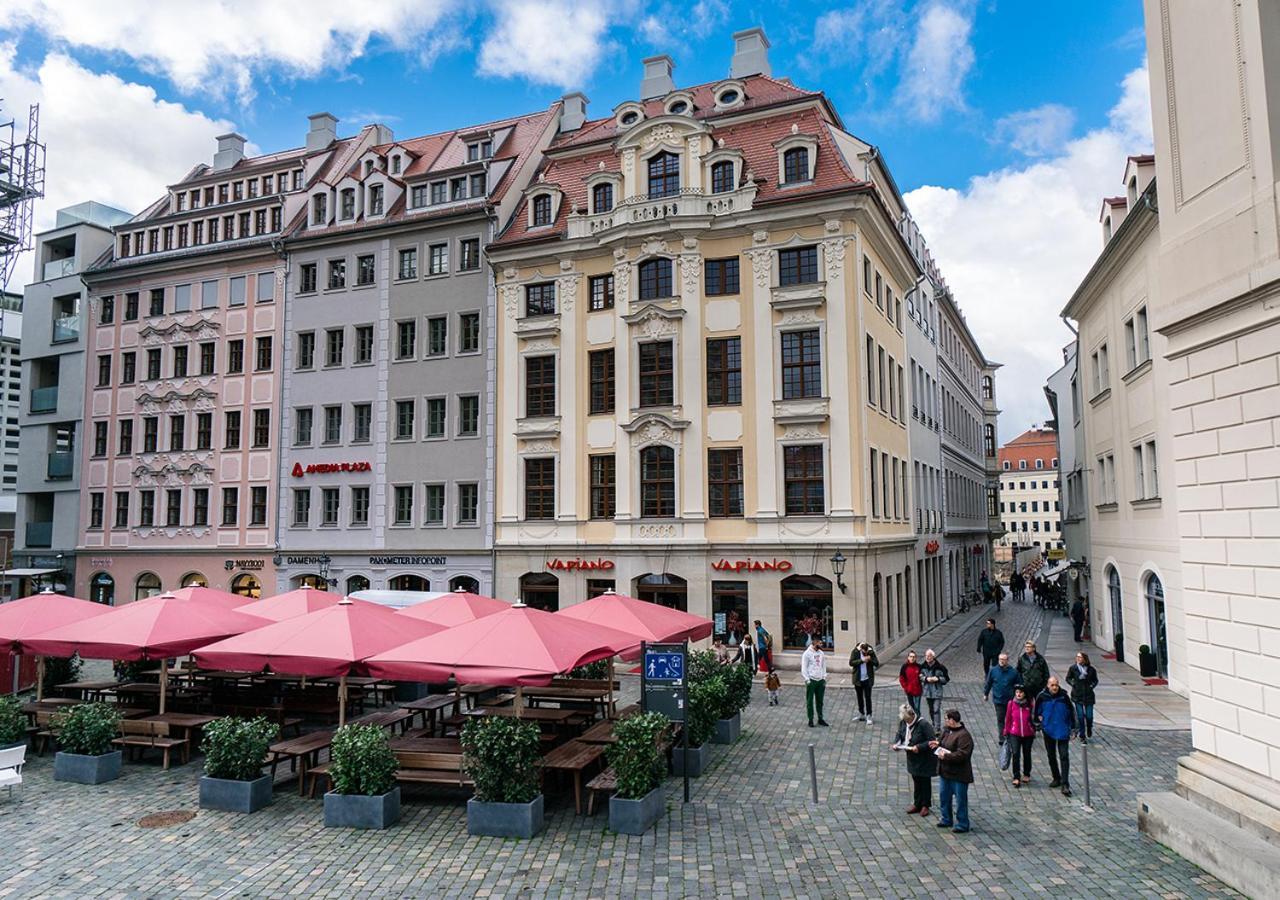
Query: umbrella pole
[[610, 711], [17, 664], [164, 682], [39, 678], [342, 701], [519, 701]]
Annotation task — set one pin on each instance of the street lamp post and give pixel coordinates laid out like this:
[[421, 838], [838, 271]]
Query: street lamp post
[[837, 568]]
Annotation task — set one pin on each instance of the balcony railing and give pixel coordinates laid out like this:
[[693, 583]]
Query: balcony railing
[[59, 268], [641, 209], [66, 328], [61, 464], [44, 399], [39, 534]]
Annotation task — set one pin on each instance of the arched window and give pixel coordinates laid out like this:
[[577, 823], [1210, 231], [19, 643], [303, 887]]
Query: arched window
[[542, 209], [655, 279], [657, 482], [664, 175], [663, 589], [193, 579], [310, 580], [795, 165], [102, 589], [1158, 619], [988, 389], [464, 583], [806, 611], [409, 583], [721, 177], [989, 439], [602, 198], [541, 590], [147, 585], [357, 582], [246, 585]]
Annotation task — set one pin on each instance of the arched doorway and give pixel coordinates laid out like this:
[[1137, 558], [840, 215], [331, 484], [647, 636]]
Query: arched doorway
[[409, 582], [1159, 624], [102, 589], [541, 590], [147, 585], [665, 589], [806, 611], [246, 585], [357, 583], [1117, 611], [310, 581], [464, 583], [194, 579]]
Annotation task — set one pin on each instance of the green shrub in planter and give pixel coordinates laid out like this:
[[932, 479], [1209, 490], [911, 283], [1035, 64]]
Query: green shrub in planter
[[635, 757], [13, 724], [706, 700], [361, 761], [737, 681], [235, 748], [1144, 650], [501, 755], [702, 664], [60, 670], [86, 729], [595, 671]]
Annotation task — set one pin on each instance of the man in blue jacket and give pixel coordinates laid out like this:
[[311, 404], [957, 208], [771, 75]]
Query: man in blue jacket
[[1056, 717], [998, 689]]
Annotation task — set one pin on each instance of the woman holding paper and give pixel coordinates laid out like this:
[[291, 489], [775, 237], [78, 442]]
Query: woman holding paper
[[914, 735]]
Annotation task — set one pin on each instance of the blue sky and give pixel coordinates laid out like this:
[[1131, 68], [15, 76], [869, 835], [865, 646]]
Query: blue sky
[[974, 104]]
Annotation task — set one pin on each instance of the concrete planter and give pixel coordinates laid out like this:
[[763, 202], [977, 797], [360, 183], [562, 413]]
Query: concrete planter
[[728, 730], [636, 816], [699, 759], [87, 769], [235, 796], [520, 820], [360, 811]]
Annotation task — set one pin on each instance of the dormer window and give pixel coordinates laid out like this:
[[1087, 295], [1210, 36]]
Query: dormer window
[[630, 117], [375, 200], [797, 154], [478, 185], [479, 150], [602, 198], [728, 94], [253, 188], [795, 165], [679, 108], [180, 199], [458, 189], [395, 164], [721, 177], [319, 209], [237, 190], [348, 208], [368, 167], [438, 192], [542, 210], [664, 175]]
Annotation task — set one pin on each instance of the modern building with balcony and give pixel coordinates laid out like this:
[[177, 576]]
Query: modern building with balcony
[[48, 410]]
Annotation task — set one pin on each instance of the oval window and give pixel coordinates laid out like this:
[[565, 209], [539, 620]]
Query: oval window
[[630, 118], [678, 107], [728, 97]]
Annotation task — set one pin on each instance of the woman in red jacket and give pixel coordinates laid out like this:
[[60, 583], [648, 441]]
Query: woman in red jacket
[[909, 678], [1020, 733]]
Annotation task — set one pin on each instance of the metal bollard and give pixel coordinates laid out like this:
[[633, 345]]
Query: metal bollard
[[1084, 746], [813, 773]]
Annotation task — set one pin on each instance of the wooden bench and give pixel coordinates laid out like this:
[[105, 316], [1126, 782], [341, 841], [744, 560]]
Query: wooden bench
[[421, 767], [42, 732], [605, 783], [573, 758], [137, 736]]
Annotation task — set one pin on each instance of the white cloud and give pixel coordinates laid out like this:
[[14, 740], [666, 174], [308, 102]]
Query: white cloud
[[669, 25], [1015, 243], [934, 70], [864, 36], [219, 46], [556, 42], [108, 140], [1039, 131]]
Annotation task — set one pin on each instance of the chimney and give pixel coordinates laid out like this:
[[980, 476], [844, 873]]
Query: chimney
[[573, 111], [230, 151], [324, 131], [750, 54], [657, 77]]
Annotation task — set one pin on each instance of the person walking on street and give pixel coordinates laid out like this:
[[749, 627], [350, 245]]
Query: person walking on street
[[1033, 671], [990, 643], [955, 772], [1078, 619], [813, 669], [1020, 732], [1083, 678], [934, 676], [764, 644], [747, 654], [1056, 717], [998, 689], [771, 684], [864, 663], [913, 739], [909, 678]]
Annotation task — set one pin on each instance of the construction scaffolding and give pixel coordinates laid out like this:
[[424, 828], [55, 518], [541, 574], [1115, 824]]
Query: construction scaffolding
[[21, 184]]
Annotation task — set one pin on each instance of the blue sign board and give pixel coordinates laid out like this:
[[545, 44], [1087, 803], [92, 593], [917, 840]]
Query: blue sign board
[[664, 666]]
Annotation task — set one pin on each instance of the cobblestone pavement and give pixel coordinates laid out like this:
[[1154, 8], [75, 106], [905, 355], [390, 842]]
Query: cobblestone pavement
[[751, 829]]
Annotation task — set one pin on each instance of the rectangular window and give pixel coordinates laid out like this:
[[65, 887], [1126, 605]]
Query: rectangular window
[[437, 259], [364, 344], [182, 298], [469, 333], [798, 266], [603, 489], [207, 357], [403, 511], [334, 346], [439, 192], [236, 288], [107, 311], [803, 480], [262, 428], [337, 274], [100, 440], [235, 357], [333, 424], [437, 336], [437, 417], [875, 493], [468, 415], [406, 339], [724, 371], [540, 386], [721, 276], [303, 418], [146, 508], [128, 367], [200, 506], [360, 506], [204, 431], [657, 482], [469, 253], [433, 507], [126, 437], [655, 279], [375, 200], [156, 307], [408, 263], [302, 507], [601, 388], [405, 418], [153, 364], [177, 432], [307, 283], [724, 482], [180, 361], [258, 505], [122, 509], [540, 299], [104, 370], [364, 269], [131, 307], [468, 502], [150, 434], [540, 488], [801, 364], [656, 374], [306, 353], [418, 197], [262, 354], [173, 508], [601, 292], [361, 423], [330, 506]]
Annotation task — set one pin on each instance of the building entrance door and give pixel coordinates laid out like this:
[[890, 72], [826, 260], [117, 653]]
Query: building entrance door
[[1159, 629], [1117, 612]]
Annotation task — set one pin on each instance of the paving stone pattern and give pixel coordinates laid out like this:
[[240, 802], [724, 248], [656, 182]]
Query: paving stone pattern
[[751, 830]]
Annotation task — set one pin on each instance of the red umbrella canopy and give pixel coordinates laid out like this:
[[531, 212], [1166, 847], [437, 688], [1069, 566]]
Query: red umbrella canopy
[[518, 646], [454, 608], [321, 644], [294, 603], [29, 616], [647, 621], [155, 628], [209, 595]]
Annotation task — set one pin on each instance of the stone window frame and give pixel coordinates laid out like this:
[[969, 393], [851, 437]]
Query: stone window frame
[[794, 141]]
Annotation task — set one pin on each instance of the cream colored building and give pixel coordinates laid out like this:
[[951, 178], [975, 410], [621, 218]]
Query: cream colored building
[[1029, 480]]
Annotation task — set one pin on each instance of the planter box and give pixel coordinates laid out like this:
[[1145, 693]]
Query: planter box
[[359, 811], [699, 759], [235, 796], [521, 820], [87, 769], [728, 730], [636, 816], [1147, 665]]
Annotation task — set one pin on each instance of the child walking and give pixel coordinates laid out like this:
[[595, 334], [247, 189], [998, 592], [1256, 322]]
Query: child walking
[[772, 682]]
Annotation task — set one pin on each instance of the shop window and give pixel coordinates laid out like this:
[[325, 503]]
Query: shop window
[[310, 580], [194, 579], [540, 590], [246, 585], [599, 586], [102, 589], [147, 585], [806, 611], [357, 583], [464, 583], [667, 590], [729, 611], [409, 583]]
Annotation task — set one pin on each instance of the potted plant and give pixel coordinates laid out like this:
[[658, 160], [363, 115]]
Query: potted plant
[[362, 766], [639, 768], [1146, 662], [706, 699], [60, 670], [85, 732], [13, 724], [501, 754], [737, 694], [234, 750]]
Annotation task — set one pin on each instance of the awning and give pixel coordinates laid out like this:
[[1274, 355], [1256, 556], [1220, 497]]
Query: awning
[[27, 573], [1052, 572]]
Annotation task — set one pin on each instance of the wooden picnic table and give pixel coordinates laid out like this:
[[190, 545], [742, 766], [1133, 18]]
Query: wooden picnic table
[[574, 757], [87, 690], [426, 744], [599, 733], [627, 711], [431, 705], [554, 693], [187, 723], [388, 718], [302, 753], [542, 714]]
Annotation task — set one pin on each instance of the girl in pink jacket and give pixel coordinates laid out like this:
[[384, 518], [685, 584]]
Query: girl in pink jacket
[[1020, 734]]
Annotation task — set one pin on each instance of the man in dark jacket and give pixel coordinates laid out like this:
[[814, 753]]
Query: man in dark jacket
[[863, 662], [990, 643], [1033, 671], [1056, 717], [1078, 619], [1001, 681], [913, 738], [955, 771]]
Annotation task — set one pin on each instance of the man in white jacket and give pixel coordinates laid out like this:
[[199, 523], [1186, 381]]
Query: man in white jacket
[[813, 669]]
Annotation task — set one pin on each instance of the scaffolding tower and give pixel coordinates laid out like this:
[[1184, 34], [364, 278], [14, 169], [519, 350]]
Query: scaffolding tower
[[21, 183]]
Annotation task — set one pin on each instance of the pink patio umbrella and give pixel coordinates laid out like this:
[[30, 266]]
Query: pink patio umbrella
[[519, 647], [332, 642], [454, 608], [23, 619], [293, 603], [155, 628], [211, 595]]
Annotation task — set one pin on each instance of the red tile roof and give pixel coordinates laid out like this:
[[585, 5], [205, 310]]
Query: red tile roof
[[1038, 443]]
